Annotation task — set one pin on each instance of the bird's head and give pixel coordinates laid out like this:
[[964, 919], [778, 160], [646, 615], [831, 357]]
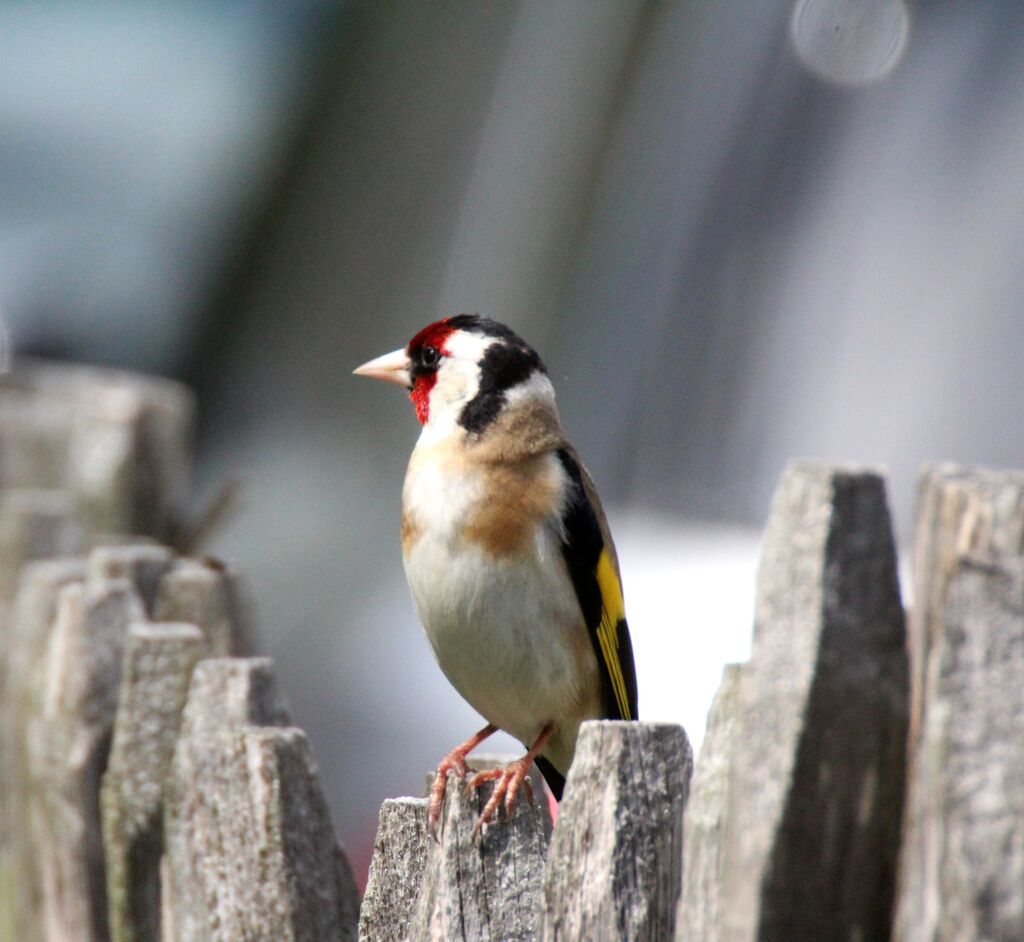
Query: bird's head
[[463, 372]]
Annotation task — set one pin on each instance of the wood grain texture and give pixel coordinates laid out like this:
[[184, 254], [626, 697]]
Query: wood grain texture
[[85, 453], [962, 874], [699, 916], [68, 741], [614, 868], [486, 887], [251, 851], [158, 664], [816, 777], [34, 525], [32, 616], [400, 854], [962, 864], [961, 511]]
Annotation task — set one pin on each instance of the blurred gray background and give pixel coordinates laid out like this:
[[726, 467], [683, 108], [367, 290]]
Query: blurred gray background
[[737, 232]]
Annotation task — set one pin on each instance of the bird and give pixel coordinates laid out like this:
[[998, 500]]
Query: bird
[[507, 553]]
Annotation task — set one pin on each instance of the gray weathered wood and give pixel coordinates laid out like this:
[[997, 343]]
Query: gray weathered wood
[[469, 879], [399, 860], [251, 852], [68, 739], [207, 594], [962, 875], [614, 867], [157, 667], [817, 774], [483, 760], [962, 864], [485, 887], [31, 616], [142, 564], [118, 443], [82, 451], [960, 511], [33, 613], [129, 457], [699, 916], [34, 524], [35, 436]]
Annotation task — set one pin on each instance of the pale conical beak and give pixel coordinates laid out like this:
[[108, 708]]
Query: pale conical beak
[[392, 367]]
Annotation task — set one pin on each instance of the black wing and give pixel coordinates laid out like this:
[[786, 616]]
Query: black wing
[[590, 557]]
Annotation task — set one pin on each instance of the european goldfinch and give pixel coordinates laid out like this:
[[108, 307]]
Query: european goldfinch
[[507, 552]]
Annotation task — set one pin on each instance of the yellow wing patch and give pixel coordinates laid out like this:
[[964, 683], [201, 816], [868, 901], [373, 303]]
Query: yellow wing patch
[[613, 610]]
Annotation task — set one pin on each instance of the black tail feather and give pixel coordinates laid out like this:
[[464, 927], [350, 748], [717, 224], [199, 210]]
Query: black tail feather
[[554, 778]]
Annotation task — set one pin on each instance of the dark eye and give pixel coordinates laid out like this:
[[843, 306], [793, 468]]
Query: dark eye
[[431, 357]]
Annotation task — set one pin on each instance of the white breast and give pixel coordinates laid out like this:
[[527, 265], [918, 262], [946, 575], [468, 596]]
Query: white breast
[[506, 630]]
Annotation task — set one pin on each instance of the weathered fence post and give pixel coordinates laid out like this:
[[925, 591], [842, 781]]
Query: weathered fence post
[[251, 852], [400, 854], [142, 564], [68, 739], [700, 905], [97, 461], [207, 594], [960, 511], [34, 525], [30, 619], [157, 667], [462, 887], [816, 766], [613, 870], [83, 452], [118, 443], [483, 888], [962, 863]]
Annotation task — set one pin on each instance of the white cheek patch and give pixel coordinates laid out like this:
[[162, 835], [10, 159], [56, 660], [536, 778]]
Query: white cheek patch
[[467, 349], [458, 381]]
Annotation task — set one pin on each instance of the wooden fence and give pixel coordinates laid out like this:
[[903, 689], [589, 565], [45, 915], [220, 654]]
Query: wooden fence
[[862, 776]]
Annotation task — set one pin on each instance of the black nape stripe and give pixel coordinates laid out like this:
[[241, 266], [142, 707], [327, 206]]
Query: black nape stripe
[[485, 326], [504, 364]]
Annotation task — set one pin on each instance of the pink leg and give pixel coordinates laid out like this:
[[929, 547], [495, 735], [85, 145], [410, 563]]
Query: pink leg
[[508, 780], [454, 761]]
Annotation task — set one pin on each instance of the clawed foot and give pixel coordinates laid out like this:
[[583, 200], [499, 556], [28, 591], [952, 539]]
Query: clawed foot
[[507, 783], [507, 780], [455, 762]]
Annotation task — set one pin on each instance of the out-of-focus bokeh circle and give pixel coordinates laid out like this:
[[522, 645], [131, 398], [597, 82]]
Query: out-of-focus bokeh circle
[[851, 42]]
